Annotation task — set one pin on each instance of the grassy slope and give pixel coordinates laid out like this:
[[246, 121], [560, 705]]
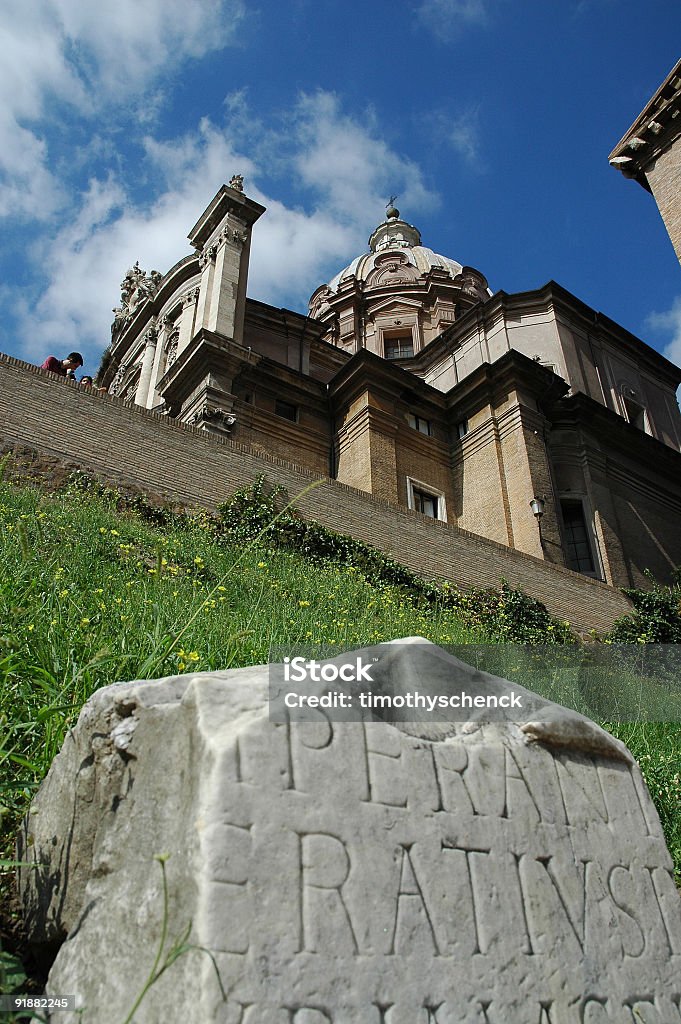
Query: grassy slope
[[89, 596]]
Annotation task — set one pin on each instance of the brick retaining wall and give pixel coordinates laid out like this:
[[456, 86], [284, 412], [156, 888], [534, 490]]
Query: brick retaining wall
[[128, 445]]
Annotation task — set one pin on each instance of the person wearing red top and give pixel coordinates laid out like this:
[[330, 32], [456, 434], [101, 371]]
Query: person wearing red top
[[64, 367]]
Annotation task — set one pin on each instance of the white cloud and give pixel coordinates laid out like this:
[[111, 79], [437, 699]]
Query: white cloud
[[349, 164], [462, 134], [346, 168], [122, 46], [61, 55], [668, 324], [81, 267], [447, 19]]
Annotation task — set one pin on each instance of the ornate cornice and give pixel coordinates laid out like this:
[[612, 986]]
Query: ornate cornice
[[208, 255], [654, 131]]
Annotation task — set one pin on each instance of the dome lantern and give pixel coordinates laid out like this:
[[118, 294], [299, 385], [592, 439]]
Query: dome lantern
[[394, 233]]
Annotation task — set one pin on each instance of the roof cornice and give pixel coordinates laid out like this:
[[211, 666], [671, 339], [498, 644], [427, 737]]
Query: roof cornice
[[552, 295], [653, 131], [226, 201], [622, 437]]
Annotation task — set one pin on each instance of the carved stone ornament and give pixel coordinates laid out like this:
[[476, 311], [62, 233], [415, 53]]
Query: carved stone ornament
[[471, 285], [235, 236], [170, 350], [322, 302], [131, 391], [136, 287], [208, 255], [218, 417], [237, 182], [117, 382]]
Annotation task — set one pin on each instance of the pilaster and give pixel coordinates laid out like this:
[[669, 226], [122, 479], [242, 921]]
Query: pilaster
[[188, 319], [222, 237]]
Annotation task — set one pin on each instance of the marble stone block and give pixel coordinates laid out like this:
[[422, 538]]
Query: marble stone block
[[348, 872]]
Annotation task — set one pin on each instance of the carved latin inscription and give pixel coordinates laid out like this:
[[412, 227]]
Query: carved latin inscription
[[409, 870], [325, 919]]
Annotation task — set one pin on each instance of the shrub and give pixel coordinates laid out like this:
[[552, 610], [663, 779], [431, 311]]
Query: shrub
[[506, 615], [656, 618]]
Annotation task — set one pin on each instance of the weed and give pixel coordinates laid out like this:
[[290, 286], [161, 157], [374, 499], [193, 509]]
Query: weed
[[167, 954]]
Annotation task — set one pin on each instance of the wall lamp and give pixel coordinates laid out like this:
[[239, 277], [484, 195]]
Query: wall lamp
[[538, 506]]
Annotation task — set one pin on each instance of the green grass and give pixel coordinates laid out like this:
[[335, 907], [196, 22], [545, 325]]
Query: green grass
[[90, 595], [657, 748]]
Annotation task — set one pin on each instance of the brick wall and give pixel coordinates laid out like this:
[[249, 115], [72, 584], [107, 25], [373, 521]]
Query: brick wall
[[664, 178], [129, 445], [480, 486]]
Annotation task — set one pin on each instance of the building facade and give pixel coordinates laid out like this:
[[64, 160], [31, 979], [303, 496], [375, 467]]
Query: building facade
[[411, 380], [650, 153]]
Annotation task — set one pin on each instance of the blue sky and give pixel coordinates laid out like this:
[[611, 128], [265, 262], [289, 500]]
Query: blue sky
[[491, 120]]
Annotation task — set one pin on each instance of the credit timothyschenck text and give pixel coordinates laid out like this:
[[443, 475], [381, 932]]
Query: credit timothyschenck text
[[341, 699]]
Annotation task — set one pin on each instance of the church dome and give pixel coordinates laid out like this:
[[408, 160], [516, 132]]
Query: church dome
[[398, 296], [397, 257]]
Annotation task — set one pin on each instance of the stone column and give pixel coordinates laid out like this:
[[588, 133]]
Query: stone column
[[222, 237], [158, 368], [142, 395]]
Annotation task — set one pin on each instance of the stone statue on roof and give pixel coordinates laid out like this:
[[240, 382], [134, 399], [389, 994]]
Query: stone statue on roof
[[136, 287]]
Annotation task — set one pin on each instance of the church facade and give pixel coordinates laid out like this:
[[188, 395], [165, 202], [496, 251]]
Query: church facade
[[529, 419]]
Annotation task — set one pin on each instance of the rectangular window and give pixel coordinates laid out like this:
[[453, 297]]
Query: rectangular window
[[285, 409], [418, 423], [636, 415], [578, 550], [425, 499], [461, 428], [399, 346], [426, 503]]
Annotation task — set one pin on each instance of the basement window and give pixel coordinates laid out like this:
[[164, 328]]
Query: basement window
[[287, 410], [418, 423]]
